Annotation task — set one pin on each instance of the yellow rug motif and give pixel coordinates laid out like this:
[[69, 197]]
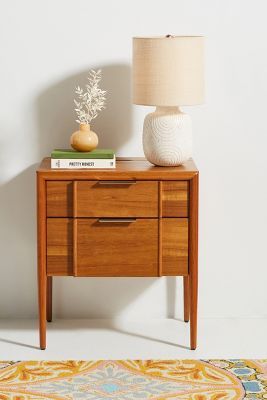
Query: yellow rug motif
[[134, 379]]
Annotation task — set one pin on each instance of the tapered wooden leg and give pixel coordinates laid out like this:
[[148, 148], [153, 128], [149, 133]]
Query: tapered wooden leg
[[42, 278], [193, 311], [193, 259], [186, 298], [42, 310], [49, 298]]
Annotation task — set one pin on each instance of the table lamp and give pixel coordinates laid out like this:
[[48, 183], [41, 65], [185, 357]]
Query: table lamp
[[168, 72]]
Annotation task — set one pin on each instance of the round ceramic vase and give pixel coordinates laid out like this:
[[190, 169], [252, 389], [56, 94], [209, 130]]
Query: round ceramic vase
[[84, 139]]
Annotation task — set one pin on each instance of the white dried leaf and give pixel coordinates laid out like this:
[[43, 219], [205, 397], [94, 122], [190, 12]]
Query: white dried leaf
[[92, 100]]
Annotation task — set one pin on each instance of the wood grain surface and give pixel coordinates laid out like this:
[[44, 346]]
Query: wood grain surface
[[115, 199], [41, 258], [174, 246], [174, 199], [117, 248], [193, 259], [59, 198], [59, 246]]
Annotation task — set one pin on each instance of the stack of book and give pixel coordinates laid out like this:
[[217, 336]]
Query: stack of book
[[72, 159]]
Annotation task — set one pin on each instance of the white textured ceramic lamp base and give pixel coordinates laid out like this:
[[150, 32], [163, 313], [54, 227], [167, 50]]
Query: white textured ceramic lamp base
[[167, 137]]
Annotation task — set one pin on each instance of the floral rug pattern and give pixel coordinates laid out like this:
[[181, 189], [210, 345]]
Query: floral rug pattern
[[138, 379]]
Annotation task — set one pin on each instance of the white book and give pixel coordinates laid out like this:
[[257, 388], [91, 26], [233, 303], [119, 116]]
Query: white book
[[87, 163]]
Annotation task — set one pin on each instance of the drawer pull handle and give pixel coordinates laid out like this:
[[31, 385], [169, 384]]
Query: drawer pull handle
[[116, 220], [117, 182]]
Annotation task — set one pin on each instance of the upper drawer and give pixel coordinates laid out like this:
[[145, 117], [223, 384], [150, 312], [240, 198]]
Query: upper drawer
[[174, 196], [116, 199]]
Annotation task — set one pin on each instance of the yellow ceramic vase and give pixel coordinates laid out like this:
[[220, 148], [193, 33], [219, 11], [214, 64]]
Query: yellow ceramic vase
[[84, 139]]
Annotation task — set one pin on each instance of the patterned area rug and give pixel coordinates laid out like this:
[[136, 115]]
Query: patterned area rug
[[124, 380]]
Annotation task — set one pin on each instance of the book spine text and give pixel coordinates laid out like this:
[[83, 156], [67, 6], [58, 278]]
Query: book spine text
[[62, 163]]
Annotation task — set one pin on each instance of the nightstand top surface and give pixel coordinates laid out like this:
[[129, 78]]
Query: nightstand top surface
[[130, 167]]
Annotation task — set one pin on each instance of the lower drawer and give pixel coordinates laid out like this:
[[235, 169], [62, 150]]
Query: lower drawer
[[100, 247], [110, 247]]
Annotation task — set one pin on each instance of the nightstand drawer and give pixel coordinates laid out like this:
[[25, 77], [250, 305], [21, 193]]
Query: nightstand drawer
[[113, 247], [116, 199], [174, 198]]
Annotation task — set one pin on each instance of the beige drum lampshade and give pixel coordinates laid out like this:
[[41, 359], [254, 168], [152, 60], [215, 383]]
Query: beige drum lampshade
[[168, 71]]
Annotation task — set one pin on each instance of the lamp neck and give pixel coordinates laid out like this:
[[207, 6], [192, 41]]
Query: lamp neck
[[168, 110]]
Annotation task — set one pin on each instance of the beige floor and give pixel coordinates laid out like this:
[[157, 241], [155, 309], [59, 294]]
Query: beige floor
[[107, 339]]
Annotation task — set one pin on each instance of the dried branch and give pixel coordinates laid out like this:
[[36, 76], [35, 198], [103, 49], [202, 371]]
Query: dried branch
[[91, 101]]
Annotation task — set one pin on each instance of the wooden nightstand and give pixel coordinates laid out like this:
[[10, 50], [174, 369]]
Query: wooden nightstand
[[135, 220]]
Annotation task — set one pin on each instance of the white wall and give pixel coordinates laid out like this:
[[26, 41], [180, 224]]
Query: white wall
[[46, 49]]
